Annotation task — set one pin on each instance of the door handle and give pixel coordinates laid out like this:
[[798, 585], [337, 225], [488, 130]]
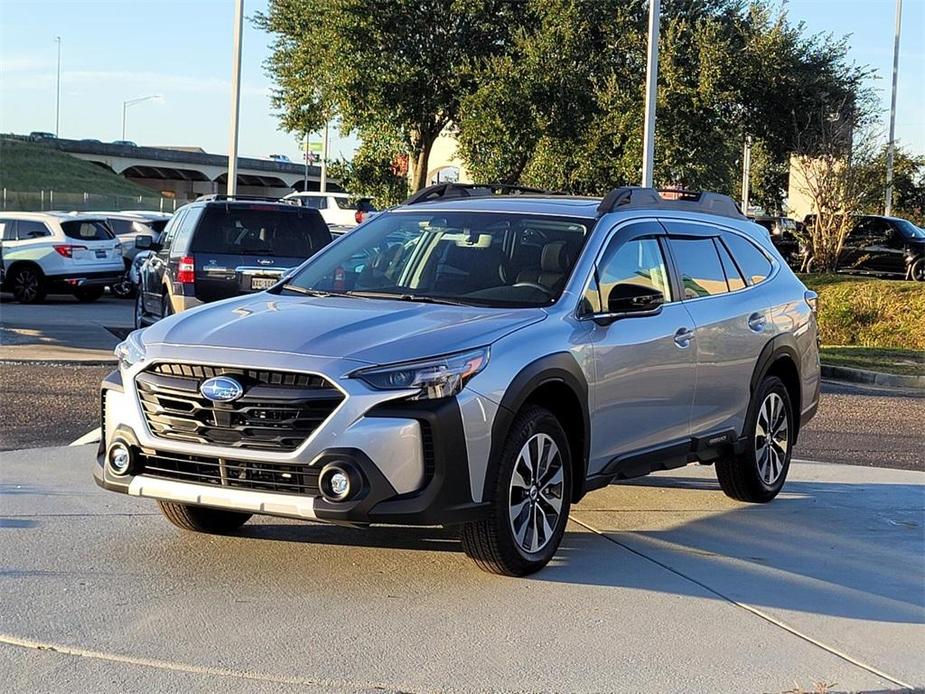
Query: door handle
[[756, 322], [683, 337]]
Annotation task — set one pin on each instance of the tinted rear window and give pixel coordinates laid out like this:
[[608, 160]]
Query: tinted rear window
[[753, 262], [290, 233], [87, 229]]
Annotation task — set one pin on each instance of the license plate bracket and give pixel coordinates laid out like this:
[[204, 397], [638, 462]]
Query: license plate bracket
[[100, 254], [263, 282]]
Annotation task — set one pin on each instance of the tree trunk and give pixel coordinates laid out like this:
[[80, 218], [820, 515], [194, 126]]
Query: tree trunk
[[420, 158]]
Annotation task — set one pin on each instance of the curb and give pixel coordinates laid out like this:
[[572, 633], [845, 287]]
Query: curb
[[844, 373]]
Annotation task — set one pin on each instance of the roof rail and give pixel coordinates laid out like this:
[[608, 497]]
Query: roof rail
[[213, 197], [635, 197], [443, 191]]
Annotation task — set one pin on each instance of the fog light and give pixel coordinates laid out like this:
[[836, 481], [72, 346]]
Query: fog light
[[338, 482], [120, 458]]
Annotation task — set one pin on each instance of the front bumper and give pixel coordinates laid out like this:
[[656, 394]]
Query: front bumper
[[411, 456]]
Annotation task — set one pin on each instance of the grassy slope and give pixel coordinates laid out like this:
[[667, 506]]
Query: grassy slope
[[31, 167], [871, 323]]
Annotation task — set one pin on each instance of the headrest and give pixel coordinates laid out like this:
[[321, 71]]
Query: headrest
[[554, 258]]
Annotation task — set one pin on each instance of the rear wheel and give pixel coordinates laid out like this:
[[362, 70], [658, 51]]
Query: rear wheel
[[201, 519], [759, 473], [531, 495], [88, 294], [28, 285]]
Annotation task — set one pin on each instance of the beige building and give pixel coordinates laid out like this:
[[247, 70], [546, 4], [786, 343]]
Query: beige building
[[444, 165]]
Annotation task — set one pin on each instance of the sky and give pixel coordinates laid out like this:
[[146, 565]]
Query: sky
[[116, 50]]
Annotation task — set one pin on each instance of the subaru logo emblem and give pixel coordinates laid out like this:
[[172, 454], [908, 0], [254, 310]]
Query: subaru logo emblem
[[265, 261], [221, 389]]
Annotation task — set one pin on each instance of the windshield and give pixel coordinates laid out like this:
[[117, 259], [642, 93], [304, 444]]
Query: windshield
[[477, 258], [257, 230], [909, 230]]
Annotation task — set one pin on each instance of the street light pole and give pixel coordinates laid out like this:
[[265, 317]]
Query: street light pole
[[235, 97], [323, 186], [58, 91], [746, 173], [648, 137], [891, 146], [132, 102]]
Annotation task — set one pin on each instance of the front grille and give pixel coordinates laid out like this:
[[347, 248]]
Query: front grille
[[278, 410], [263, 477]]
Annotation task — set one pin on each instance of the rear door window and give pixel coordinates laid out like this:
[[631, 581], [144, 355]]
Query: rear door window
[[87, 230], [260, 230], [733, 276], [749, 258], [700, 267], [27, 229]]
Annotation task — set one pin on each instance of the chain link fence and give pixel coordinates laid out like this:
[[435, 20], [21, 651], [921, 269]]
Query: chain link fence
[[42, 200]]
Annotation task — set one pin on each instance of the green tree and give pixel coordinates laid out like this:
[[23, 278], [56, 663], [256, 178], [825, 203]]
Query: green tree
[[378, 169], [394, 66]]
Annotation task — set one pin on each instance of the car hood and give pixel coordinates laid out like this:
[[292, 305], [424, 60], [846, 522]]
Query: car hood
[[366, 330]]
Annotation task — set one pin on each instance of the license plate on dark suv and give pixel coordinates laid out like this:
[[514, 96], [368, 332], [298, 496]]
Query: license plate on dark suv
[[263, 282]]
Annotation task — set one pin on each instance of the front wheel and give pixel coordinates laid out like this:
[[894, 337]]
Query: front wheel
[[758, 474], [917, 271], [202, 519], [531, 496]]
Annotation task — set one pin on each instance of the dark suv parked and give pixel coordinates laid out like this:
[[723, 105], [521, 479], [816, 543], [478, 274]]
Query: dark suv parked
[[887, 246], [219, 247]]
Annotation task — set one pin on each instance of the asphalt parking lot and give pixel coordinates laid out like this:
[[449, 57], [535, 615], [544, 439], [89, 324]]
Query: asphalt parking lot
[[662, 585]]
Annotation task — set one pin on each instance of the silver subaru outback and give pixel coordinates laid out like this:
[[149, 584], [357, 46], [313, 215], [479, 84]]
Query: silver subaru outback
[[480, 356]]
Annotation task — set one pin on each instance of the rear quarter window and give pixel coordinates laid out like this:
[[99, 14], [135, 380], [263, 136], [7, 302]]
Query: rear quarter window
[[752, 261], [87, 230]]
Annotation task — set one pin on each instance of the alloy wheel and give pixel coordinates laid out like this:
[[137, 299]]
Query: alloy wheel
[[536, 493], [772, 440], [26, 286]]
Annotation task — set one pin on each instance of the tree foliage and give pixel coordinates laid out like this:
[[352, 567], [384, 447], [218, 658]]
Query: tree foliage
[[382, 66], [564, 108]]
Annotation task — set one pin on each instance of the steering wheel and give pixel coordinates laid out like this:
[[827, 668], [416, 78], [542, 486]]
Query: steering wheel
[[533, 285]]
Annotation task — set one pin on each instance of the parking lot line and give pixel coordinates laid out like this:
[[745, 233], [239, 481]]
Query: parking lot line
[[749, 608]]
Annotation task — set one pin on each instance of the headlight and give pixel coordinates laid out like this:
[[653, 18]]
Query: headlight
[[130, 351], [439, 377]]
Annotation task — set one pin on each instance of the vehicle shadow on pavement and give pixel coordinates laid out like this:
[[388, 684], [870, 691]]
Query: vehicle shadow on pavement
[[399, 538], [847, 550]]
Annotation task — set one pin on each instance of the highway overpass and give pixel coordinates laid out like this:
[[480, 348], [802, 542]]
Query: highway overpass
[[190, 172]]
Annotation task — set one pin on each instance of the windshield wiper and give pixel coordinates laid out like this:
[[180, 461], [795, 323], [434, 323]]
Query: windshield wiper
[[420, 298], [318, 292]]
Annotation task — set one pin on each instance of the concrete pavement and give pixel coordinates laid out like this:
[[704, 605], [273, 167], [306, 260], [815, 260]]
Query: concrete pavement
[[662, 585], [62, 329]]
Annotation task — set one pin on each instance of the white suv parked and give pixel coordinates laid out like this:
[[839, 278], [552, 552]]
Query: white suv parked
[[337, 209], [46, 252]]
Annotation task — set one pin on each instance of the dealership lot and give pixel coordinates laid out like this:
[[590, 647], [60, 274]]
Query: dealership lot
[[664, 585]]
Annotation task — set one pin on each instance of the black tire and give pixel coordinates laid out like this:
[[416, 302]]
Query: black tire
[[28, 285], [201, 519], [88, 294], [140, 319], [742, 477], [123, 289], [491, 542], [917, 270]]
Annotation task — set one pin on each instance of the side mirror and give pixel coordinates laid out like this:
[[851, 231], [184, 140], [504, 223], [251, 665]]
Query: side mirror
[[634, 299], [143, 242]]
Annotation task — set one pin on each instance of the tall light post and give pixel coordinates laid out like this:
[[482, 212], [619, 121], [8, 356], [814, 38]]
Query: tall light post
[[323, 185], [648, 137], [891, 146], [746, 173], [58, 90], [132, 102], [235, 97]]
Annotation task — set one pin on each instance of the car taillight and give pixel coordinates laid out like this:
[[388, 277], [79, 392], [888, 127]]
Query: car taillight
[[358, 216], [186, 271], [67, 251]]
